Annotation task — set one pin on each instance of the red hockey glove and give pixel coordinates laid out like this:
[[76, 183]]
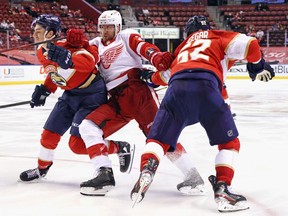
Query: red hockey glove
[[76, 38], [161, 60]]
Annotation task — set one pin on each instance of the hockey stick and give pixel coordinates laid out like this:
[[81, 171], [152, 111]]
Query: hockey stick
[[14, 104], [162, 88], [32, 44], [269, 62], [21, 61]]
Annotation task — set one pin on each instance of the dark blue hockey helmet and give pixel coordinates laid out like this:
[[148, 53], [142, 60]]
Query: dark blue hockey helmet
[[196, 23], [49, 22]]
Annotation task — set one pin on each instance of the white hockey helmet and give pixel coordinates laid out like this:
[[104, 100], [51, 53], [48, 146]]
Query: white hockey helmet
[[111, 17]]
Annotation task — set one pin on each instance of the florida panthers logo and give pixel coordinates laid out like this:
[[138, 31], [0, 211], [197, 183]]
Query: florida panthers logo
[[57, 79], [110, 55]]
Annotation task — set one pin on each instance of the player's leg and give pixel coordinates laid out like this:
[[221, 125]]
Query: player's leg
[[193, 183], [102, 122], [94, 96], [225, 136], [56, 125], [227, 200], [154, 150], [97, 150], [123, 149], [162, 138], [150, 160]]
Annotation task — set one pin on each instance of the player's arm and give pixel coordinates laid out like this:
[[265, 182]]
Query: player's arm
[[257, 67], [76, 38], [80, 60], [240, 46], [48, 67], [83, 61], [41, 92], [161, 77], [150, 52], [85, 57], [155, 79], [60, 55]]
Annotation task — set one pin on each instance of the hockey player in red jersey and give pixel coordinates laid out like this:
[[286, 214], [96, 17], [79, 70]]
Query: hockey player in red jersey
[[73, 69], [121, 54], [194, 96]]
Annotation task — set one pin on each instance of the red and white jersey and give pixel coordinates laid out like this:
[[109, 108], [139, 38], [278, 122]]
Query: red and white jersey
[[84, 65], [215, 50], [120, 55]]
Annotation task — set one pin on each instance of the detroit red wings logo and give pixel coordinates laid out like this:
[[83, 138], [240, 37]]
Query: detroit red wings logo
[[110, 55]]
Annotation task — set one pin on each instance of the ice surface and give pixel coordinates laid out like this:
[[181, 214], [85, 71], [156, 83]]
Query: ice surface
[[262, 120]]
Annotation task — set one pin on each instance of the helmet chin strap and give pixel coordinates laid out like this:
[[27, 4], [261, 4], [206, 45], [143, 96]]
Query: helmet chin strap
[[184, 35], [117, 30], [44, 45]]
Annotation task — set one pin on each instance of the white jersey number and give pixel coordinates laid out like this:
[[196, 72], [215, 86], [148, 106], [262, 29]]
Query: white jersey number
[[187, 55]]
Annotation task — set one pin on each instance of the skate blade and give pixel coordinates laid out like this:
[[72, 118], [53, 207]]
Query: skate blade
[[225, 206], [199, 190], [39, 180], [91, 191], [132, 152], [138, 197]]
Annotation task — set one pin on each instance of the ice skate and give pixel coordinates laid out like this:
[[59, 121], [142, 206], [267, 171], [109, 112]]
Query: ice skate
[[146, 177], [227, 201], [126, 155], [34, 175], [100, 185], [193, 184]]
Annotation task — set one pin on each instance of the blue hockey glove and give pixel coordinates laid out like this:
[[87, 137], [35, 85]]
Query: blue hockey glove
[[146, 76], [39, 96], [260, 71], [254, 69], [60, 55], [267, 74]]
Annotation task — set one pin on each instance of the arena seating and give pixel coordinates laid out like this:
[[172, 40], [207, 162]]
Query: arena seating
[[177, 15], [273, 21], [23, 21], [261, 19]]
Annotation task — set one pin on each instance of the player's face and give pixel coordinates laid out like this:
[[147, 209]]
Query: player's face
[[107, 32], [38, 33]]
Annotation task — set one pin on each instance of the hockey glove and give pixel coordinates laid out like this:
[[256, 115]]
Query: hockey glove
[[254, 69], [76, 38], [261, 71], [146, 76], [161, 60], [39, 96], [267, 74], [60, 55]]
